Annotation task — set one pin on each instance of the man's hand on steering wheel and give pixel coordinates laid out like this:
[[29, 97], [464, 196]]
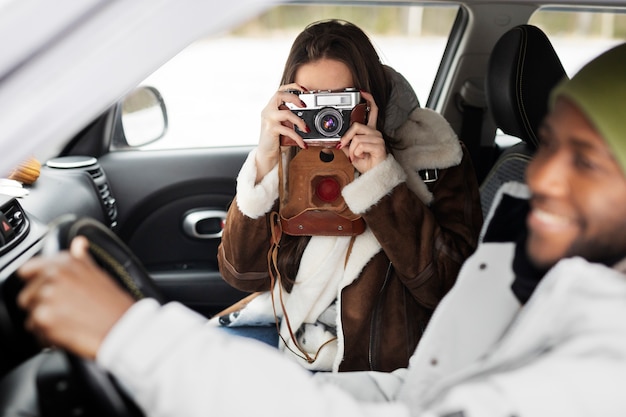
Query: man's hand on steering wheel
[[71, 302]]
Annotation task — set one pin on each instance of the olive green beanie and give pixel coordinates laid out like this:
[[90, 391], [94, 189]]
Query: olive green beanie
[[599, 91]]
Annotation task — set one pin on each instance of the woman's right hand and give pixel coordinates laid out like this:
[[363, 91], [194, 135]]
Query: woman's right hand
[[276, 121]]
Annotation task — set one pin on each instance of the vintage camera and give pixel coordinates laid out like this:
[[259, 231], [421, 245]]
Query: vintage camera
[[311, 180], [329, 114]]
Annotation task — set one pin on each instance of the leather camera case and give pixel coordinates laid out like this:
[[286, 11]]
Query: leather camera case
[[303, 209]]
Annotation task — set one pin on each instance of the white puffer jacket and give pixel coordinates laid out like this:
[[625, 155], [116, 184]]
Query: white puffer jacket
[[563, 354]]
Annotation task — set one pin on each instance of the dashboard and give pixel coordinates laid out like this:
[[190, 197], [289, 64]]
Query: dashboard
[[67, 185]]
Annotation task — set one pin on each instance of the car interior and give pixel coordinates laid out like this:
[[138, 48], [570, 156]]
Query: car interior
[[158, 211], [523, 69]]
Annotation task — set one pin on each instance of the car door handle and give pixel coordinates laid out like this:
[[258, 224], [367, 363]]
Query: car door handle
[[204, 224]]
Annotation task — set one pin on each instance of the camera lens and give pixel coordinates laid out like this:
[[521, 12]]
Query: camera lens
[[329, 122]]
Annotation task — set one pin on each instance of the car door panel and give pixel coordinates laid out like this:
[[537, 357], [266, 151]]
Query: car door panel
[[156, 191]]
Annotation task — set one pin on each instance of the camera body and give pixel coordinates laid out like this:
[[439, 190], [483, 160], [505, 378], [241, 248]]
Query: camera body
[[329, 114]]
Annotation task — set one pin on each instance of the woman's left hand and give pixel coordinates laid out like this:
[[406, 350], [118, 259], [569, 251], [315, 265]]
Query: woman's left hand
[[363, 144]]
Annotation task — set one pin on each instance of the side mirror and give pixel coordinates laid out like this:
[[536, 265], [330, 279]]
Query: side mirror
[[143, 118]]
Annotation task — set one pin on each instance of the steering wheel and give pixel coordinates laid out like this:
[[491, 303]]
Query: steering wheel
[[98, 393]]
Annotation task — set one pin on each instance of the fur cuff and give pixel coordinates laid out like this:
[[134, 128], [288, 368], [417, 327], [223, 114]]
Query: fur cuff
[[369, 188], [256, 200]]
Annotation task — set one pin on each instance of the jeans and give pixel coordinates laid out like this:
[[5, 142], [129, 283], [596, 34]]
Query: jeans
[[265, 334]]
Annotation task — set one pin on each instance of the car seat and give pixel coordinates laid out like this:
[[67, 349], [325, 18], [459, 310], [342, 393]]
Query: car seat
[[522, 70]]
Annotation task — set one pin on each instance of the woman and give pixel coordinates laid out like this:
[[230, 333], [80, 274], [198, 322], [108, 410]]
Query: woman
[[361, 302]]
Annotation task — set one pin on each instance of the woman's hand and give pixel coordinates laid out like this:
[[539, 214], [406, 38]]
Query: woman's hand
[[71, 302], [277, 120], [363, 144]]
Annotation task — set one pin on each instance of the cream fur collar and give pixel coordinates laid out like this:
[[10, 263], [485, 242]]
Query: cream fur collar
[[426, 141]]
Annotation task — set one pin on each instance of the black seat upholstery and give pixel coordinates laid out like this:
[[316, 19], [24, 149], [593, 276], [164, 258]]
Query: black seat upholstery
[[523, 69]]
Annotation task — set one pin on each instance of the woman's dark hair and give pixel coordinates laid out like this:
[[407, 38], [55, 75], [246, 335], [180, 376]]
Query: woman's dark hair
[[344, 42]]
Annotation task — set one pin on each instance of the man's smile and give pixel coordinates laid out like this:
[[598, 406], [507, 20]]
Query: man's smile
[[544, 220]]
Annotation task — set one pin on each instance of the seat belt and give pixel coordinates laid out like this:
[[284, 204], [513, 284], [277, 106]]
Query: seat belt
[[472, 104]]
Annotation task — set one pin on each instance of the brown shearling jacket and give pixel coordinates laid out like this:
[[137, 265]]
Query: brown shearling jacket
[[425, 234]]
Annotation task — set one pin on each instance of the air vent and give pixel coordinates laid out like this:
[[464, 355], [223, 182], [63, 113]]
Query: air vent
[[13, 225], [90, 165], [108, 201], [96, 172]]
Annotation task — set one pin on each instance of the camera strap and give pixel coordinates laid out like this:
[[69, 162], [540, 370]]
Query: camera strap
[[275, 280]]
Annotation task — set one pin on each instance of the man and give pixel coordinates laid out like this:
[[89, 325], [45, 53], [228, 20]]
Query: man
[[535, 326]]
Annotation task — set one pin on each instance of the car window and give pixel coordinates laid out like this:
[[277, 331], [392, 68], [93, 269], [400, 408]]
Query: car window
[[578, 36], [215, 89]]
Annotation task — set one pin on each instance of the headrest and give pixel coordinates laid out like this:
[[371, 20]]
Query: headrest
[[523, 69]]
